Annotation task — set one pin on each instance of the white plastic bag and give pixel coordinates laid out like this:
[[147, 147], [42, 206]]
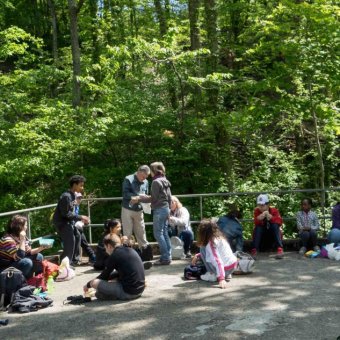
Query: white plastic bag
[[333, 253], [176, 248], [66, 273]]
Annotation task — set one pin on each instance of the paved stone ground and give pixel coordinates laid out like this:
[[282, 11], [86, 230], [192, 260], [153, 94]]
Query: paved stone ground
[[293, 298]]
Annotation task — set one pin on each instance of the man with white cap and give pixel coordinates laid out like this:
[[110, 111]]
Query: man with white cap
[[267, 220]]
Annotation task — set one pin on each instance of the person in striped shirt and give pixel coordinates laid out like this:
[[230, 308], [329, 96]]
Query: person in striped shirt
[[15, 249], [308, 225]]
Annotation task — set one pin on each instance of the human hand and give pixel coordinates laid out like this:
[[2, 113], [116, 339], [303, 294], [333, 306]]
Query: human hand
[[194, 260], [85, 289], [134, 200], [85, 219], [222, 284]]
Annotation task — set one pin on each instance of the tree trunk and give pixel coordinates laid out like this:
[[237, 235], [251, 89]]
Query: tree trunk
[[73, 15], [161, 17], [319, 150], [195, 39], [212, 38], [54, 31]]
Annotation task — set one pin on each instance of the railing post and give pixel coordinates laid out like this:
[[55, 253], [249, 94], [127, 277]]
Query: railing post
[[28, 226], [89, 216], [201, 207]]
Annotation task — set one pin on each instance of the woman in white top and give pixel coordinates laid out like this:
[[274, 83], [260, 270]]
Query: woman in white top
[[179, 222]]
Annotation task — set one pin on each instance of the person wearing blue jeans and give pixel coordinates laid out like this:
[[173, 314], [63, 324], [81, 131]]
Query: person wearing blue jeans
[[232, 229], [160, 232], [334, 235], [160, 204], [15, 249], [179, 222]]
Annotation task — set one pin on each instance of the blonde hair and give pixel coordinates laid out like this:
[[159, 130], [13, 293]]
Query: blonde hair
[[179, 205], [157, 168]]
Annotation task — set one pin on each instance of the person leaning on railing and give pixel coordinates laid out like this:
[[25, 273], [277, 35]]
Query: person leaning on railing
[[15, 250]]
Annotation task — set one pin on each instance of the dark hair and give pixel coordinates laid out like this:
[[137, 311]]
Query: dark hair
[[112, 239], [309, 200], [16, 225], [76, 179], [157, 168], [234, 214], [207, 230], [110, 224]]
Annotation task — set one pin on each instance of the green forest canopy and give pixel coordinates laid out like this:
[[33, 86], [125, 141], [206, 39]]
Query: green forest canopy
[[232, 95]]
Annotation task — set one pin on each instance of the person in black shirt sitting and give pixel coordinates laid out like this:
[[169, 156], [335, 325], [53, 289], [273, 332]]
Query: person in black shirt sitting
[[123, 278]]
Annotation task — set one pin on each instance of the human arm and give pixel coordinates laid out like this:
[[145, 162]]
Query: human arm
[[299, 221], [182, 219], [315, 225], [65, 207], [275, 216], [38, 250], [195, 258]]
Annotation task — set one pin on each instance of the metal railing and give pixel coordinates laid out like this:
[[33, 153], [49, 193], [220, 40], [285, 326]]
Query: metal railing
[[199, 196]]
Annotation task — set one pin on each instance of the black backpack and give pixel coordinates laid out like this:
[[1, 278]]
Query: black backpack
[[11, 280]]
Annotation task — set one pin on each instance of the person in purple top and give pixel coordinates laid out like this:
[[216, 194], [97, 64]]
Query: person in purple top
[[334, 234]]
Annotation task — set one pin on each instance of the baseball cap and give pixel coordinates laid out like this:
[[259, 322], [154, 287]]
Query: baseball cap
[[262, 199]]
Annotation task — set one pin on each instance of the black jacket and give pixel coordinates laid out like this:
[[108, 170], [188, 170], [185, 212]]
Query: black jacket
[[64, 213]]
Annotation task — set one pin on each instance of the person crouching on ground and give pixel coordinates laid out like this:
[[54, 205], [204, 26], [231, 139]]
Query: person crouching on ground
[[179, 222], [129, 280], [216, 254], [111, 226], [15, 250], [231, 227], [308, 225], [267, 220]]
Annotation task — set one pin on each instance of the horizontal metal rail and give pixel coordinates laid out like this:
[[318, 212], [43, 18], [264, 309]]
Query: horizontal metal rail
[[200, 196]]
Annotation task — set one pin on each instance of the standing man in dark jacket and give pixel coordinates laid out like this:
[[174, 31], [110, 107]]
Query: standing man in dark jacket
[[132, 214], [64, 217]]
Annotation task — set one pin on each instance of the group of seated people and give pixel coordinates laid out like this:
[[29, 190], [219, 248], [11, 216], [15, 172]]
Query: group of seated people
[[122, 268]]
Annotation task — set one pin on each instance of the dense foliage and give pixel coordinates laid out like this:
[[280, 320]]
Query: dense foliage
[[232, 95]]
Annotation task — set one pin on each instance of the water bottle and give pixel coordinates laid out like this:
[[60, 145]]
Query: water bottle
[[50, 284]]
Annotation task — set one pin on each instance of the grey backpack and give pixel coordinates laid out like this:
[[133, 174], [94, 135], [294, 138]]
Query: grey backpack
[[11, 280]]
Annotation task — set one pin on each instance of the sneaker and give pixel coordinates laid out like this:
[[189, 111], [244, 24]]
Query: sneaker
[[92, 259], [161, 263], [254, 253], [279, 254], [188, 255], [210, 277], [302, 250], [317, 249], [147, 265], [229, 277]]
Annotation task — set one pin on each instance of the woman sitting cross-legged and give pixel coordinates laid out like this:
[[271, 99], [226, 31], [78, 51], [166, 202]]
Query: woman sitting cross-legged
[[216, 254], [123, 277], [15, 250], [179, 222]]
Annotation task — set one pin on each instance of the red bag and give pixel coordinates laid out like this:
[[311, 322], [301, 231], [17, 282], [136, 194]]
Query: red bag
[[37, 281], [49, 269]]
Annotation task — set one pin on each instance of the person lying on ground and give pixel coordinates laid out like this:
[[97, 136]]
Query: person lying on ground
[[15, 249], [308, 225], [129, 278], [216, 254]]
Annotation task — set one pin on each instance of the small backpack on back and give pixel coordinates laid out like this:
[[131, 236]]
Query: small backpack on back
[[11, 280]]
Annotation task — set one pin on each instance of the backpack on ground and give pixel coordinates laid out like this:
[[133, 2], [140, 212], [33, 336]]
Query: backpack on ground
[[245, 263], [11, 279], [194, 272]]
